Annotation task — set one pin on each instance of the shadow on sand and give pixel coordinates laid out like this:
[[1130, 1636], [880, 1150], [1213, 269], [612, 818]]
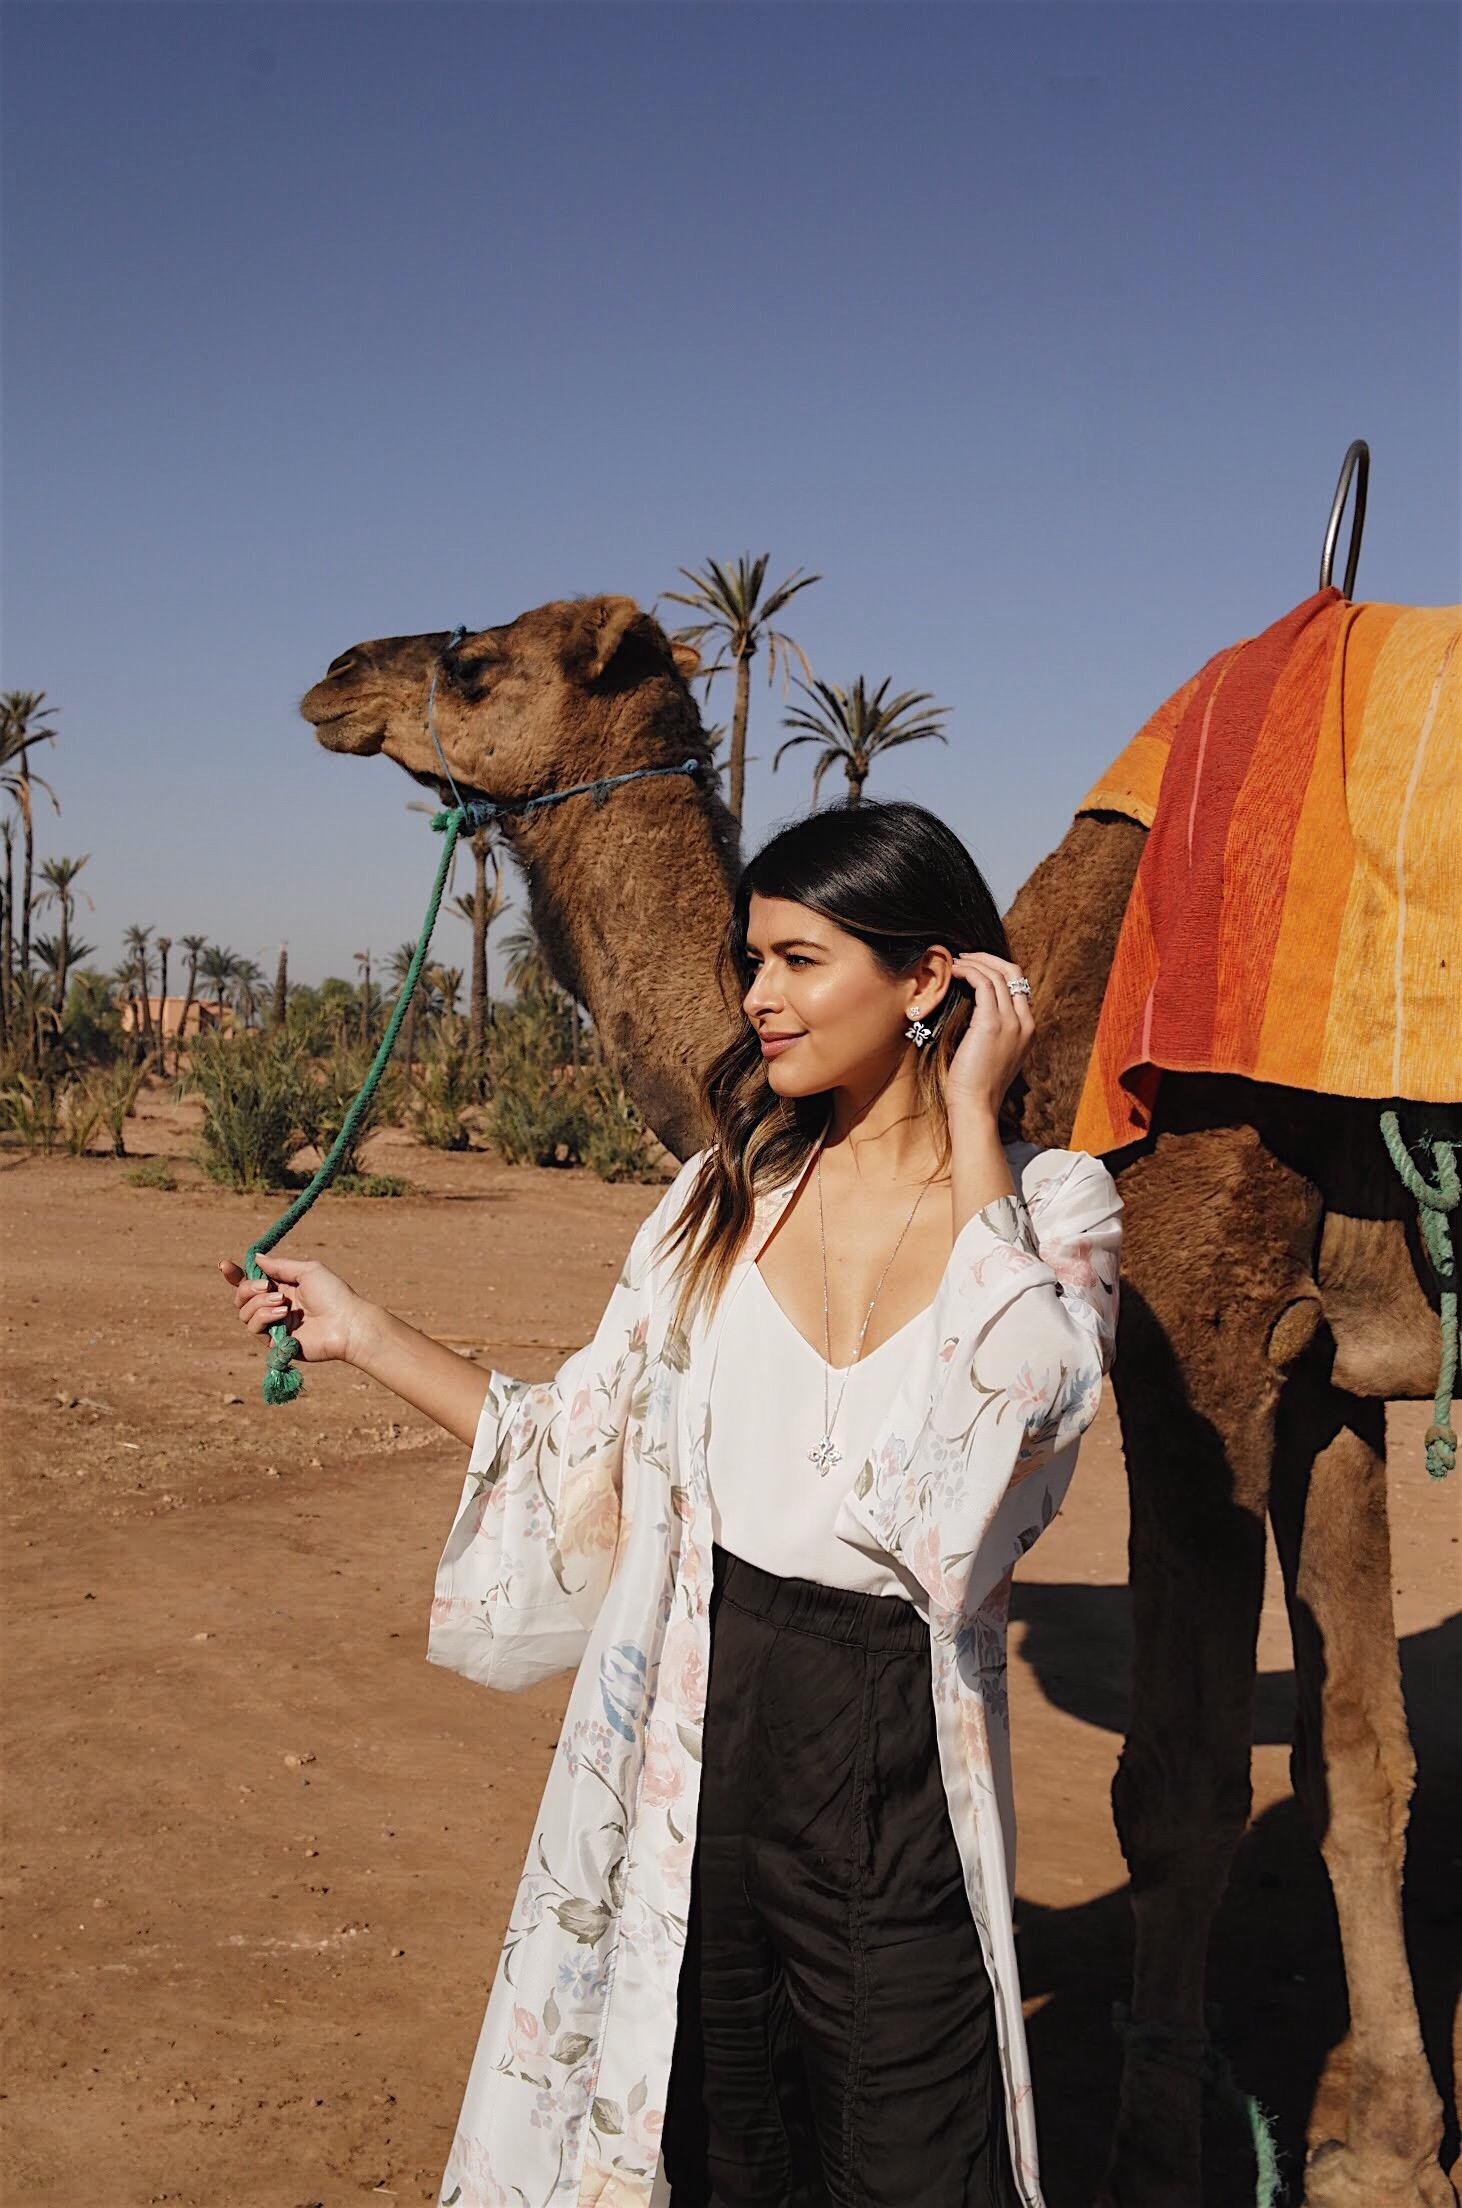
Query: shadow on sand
[[1274, 1960]]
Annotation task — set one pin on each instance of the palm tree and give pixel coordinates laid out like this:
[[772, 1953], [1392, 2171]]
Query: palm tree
[[218, 967], [248, 978], [481, 910], [7, 830], [21, 715], [398, 968], [363, 959], [528, 971], [164, 945], [55, 956], [738, 620], [850, 727], [447, 982], [195, 946], [59, 876], [136, 941]]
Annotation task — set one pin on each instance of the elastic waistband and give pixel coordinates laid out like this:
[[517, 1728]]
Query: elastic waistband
[[832, 1613]]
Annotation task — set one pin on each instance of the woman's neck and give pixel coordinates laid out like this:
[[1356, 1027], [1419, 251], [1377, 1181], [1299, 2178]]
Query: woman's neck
[[882, 1134]]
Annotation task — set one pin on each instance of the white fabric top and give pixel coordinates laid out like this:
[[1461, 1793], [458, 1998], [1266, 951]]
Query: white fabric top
[[769, 1502]]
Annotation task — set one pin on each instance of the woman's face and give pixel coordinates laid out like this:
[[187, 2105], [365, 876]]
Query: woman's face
[[814, 983]]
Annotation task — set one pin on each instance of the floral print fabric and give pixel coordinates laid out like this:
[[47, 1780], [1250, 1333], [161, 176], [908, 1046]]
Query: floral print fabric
[[583, 1538]]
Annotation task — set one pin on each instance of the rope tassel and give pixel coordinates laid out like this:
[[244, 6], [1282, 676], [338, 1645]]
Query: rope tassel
[[1437, 1202]]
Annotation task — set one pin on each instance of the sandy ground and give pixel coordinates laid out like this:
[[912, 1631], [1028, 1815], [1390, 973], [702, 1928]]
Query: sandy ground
[[258, 1854]]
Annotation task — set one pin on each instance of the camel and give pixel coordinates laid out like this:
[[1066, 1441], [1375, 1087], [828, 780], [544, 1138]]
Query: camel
[[1275, 1297]]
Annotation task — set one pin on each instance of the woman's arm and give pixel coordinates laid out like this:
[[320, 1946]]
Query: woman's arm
[[423, 1372], [331, 1324]]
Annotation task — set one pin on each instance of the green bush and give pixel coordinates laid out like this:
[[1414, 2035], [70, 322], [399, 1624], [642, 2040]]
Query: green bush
[[252, 1091], [153, 1173], [370, 1184], [443, 1090], [544, 1111], [326, 1095], [117, 1091], [30, 1106]]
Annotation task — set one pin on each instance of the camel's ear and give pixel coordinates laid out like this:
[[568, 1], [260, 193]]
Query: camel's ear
[[687, 659], [604, 625]]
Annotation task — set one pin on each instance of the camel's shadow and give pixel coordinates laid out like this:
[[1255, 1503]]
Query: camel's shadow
[[1275, 1968]]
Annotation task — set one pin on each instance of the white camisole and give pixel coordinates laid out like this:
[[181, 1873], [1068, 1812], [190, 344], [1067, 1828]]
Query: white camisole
[[769, 1503]]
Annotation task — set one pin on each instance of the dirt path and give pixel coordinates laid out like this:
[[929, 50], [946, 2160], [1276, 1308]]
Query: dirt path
[[258, 1853]]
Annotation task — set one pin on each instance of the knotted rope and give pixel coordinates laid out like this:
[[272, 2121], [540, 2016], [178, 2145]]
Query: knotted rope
[[1437, 1202], [282, 1383]]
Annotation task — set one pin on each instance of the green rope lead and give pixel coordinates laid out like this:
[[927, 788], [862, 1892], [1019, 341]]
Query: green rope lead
[[281, 1382], [1437, 1202]]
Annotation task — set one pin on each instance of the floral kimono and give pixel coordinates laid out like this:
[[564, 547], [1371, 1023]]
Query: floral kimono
[[583, 1538]]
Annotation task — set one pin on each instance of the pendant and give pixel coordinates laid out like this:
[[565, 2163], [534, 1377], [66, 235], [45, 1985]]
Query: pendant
[[825, 1454]]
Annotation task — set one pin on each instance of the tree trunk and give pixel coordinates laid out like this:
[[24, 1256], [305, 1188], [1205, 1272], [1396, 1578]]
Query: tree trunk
[[738, 731], [855, 785], [7, 937], [146, 1005], [29, 833], [165, 944], [63, 960], [187, 1008], [280, 1007], [477, 1027]]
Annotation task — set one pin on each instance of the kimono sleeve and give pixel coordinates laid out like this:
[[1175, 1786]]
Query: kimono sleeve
[[529, 1556], [1026, 1322]]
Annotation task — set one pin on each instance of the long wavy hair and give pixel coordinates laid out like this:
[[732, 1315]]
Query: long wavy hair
[[896, 877]]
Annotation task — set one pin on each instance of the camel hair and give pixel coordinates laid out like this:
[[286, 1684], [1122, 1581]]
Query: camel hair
[[1275, 1297]]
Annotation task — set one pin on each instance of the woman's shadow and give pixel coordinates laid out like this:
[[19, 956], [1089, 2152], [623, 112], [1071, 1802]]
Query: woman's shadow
[[1274, 1959]]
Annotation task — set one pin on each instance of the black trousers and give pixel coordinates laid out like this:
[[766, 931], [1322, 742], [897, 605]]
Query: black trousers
[[835, 2040]]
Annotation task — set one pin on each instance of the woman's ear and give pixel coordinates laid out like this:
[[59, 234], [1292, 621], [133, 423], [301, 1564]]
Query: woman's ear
[[934, 973]]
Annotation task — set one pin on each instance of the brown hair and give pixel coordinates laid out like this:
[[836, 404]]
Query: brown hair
[[896, 877]]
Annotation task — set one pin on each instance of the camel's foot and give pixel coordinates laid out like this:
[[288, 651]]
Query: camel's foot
[[1338, 2176]]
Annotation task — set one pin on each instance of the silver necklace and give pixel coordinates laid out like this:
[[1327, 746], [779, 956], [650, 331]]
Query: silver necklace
[[825, 1453]]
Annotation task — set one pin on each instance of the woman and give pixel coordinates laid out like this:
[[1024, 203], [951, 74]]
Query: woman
[[771, 1513]]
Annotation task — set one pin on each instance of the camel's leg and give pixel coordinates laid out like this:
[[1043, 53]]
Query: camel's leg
[[1353, 1769], [1217, 1235]]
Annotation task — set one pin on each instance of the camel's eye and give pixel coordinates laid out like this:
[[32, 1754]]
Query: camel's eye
[[473, 670]]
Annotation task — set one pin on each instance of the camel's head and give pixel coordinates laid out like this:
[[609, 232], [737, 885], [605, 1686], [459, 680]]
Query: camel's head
[[562, 694]]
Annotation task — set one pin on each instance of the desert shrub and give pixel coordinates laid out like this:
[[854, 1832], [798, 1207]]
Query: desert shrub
[[533, 1116], [545, 1111], [326, 1095], [251, 1089], [116, 1092], [82, 1105], [443, 1088], [616, 1144], [30, 1106], [370, 1184], [152, 1173]]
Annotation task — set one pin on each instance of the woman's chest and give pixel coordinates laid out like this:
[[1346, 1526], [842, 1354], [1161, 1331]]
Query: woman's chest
[[825, 1269]]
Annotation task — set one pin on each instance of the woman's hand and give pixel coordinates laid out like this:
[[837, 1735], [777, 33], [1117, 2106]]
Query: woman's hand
[[322, 1313], [1001, 1030]]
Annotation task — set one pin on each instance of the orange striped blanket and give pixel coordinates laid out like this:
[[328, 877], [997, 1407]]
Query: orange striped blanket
[[1297, 912]]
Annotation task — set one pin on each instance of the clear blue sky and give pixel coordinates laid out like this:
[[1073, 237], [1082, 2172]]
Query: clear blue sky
[[1039, 330]]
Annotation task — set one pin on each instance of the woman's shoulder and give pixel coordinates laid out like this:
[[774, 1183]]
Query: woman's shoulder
[[1052, 1178]]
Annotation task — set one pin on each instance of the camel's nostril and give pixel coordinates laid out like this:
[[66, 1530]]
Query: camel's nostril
[[341, 666]]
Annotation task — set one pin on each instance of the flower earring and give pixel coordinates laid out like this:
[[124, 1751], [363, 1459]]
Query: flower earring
[[916, 1031]]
